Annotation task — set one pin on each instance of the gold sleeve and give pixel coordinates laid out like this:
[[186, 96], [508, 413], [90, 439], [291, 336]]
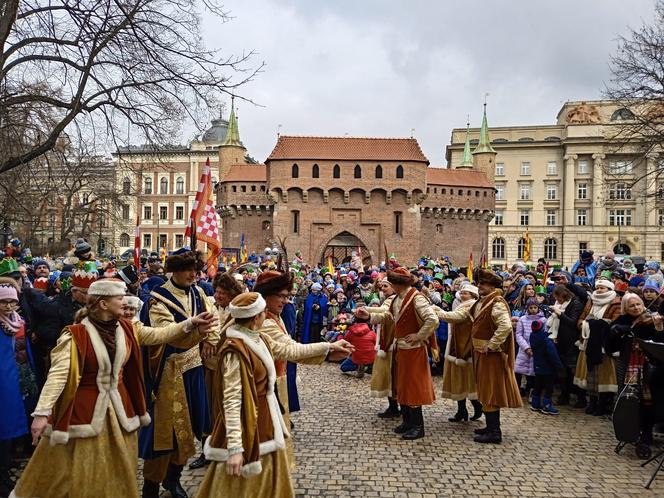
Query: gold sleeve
[[501, 318], [428, 316], [151, 336], [57, 375], [459, 315], [161, 317], [213, 335], [296, 352], [233, 402], [274, 332], [381, 314]]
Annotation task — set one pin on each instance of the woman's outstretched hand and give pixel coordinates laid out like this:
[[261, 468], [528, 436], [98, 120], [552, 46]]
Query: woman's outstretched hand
[[205, 321], [342, 346], [38, 427]]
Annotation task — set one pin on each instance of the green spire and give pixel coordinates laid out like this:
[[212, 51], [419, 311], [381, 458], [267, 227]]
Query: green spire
[[485, 143], [467, 161], [233, 133]]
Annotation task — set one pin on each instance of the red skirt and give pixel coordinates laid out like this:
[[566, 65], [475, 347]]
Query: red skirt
[[413, 377]]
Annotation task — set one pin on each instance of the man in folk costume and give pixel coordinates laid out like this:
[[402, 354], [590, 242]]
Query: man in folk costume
[[275, 287], [493, 352], [248, 443], [415, 325], [175, 379]]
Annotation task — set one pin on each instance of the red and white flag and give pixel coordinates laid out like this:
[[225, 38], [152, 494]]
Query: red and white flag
[[205, 218], [137, 243]]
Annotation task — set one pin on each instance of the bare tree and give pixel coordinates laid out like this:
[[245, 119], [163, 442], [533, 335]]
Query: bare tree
[[101, 64]]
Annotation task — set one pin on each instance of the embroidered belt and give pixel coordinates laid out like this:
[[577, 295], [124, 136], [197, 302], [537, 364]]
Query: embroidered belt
[[171, 411], [402, 344]]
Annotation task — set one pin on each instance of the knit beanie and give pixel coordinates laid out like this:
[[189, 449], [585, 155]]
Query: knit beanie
[[536, 325], [652, 285], [82, 248], [636, 280]]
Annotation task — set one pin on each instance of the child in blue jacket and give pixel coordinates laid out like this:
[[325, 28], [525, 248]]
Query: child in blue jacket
[[547, 364]]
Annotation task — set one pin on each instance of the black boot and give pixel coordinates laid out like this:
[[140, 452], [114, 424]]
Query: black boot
[[406, 423], [462, 412], [603, 404], [150, 489], [477, 406], [592, 405], [581, 400], [417, 425], [493, 435], [200, 462], [172, 482], [392, 410]]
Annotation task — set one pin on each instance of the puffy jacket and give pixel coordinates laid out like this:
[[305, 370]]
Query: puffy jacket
[[364, 340], [545, 356]]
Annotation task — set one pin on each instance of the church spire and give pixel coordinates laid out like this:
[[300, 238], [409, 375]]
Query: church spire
[[485, 144], [467, 161], [233, 133]]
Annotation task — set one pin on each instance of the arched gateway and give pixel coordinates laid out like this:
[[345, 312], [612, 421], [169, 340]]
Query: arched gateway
[[340, 248]]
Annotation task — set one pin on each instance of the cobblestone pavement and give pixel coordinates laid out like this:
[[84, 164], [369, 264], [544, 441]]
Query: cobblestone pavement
[[344, 450]]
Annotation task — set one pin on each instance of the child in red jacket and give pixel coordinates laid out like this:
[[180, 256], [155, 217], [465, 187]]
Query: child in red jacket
[[361, 336]]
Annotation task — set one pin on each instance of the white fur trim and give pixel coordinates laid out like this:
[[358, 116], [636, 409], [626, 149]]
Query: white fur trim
[[252, 469], [222, 455], [381, 354], [145, 420], [248, 311], [380, 394], [107, 287]]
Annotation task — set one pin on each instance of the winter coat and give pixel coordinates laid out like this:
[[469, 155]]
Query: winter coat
[[568, 332], [364, 340], [51, 315], [545, 357], [524, 327]]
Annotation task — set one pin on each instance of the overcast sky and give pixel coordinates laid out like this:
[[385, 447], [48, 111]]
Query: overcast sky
[[383, 67]]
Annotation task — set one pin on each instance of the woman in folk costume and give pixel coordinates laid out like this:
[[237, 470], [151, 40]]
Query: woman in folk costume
[[381, 375], [248, 442], [596, 370], [275, 287], [458, 374], [93, 401]]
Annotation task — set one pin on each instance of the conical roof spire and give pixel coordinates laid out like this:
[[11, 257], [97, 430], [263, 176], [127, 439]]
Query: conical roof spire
[[467, 161], [233, 133], [485, 144]]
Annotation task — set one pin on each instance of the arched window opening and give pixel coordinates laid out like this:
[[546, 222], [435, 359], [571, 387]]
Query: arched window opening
[[295, 171], [336, 171], [399, 171], [379, 171], [357, 172]]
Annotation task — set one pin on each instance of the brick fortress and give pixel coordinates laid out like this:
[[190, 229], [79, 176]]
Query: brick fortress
[[327, 196]]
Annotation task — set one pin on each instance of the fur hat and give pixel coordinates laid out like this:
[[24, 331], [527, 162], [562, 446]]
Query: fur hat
[[183, 260], [247, 305], [107, 287], [400, 276], [272, 282], [483, 276]]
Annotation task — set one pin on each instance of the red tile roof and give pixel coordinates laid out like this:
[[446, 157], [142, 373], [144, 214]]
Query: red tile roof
[[457, 177], [246, 173], [348, 149]]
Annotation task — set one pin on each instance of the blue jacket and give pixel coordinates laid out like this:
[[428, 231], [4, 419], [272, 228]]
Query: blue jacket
[[545, 355]]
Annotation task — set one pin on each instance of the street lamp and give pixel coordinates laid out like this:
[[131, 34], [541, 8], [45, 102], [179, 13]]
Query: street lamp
[[5, 232]]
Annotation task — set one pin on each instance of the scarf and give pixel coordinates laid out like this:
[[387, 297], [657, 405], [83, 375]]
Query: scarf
[[106, 331], [11, 324], [553, 322]]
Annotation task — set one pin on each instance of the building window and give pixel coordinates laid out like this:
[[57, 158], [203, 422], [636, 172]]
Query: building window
[[620, 217], [379, 171], [336, 171], [520, 248], [524, 218], [357, 172], [125, 212], [179, 186], [397, 223], [500, 169], [661, 251], [498, 248], [262, 188], [551, 216], [179, 240], [524, 191], [439, 228], [147, 185], [551, 192], [620, 167], [582, 167], [583, 246], [163, 212], [126, 186], [266, 225], [551, 168], [147, 240], [147, 212], [295, 221], [660, 217], [234, 188], [525, 169], [243, 188], [253, 187], [499, 218], [315, 171], [582, 217], [620, 191], [179, 213], [550, 249], [399, 171], [460, 192], [124, 239], [163, 240], [500, 192], [86, 199], [582, 191], [163, 186], [295, 171]]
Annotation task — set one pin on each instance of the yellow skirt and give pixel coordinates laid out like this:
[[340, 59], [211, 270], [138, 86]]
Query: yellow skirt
[[100, 466], [459, 381], [381, 376], [273, 482]]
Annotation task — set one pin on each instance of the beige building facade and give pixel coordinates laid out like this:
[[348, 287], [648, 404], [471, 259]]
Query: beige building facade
[[571, 186]]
